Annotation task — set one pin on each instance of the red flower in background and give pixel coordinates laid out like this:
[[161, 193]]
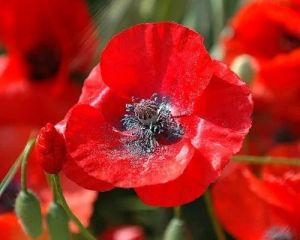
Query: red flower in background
[[45, 44], [44, 48], [268, 31], [10, 229], [165, 120], [263, 202]]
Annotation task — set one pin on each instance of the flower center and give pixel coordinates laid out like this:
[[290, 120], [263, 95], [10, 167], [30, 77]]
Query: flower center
[[151, 121], [289, 42], [43, 62]]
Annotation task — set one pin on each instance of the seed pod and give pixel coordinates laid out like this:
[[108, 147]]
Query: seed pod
[[57, 221], [176, 230], [28, 210], [243, 67], [50, 149]]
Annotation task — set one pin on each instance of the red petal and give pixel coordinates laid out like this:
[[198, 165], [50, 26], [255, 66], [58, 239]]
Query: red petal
[[92, 88], [282, 180], [37, 44], [289, 175], [222, 117], [50, 23], [100, 151], [164, 58], [30, 104], [240, 211], [226, 101], [265, 16], [82, 178], [186, 188]]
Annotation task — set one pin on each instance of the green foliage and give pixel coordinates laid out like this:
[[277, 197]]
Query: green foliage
[[208, 17]]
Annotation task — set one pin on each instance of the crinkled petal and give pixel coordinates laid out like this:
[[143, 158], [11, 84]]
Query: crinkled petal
[[92, 88], [83, 179], [164, 58], [239, 210], [104, 153], [222, 117], [283, 181], [286, 174], [186, 188]]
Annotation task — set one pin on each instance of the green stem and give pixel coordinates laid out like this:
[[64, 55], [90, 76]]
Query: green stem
[[52, 186], [10, 174], [217, 228], [59, 193], [13, 170], [177, 212], [25, 156], [267, 160]]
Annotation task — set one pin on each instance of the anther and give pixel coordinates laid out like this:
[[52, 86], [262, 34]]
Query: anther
[[148, 119]]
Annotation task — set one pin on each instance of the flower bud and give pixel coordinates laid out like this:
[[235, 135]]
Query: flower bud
[[50, 149], [57, 221], [176, 230], [243, 67], [28, 210]]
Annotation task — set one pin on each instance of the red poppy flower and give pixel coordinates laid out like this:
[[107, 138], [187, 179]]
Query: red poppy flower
[[123, 232], [54, 41], [274, 43], [284, 181], [243, 213], [43, 50], [261, 201], [164, 120]]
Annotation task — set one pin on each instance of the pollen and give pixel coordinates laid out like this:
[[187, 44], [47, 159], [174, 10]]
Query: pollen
[[149, 120], [146, 111]]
